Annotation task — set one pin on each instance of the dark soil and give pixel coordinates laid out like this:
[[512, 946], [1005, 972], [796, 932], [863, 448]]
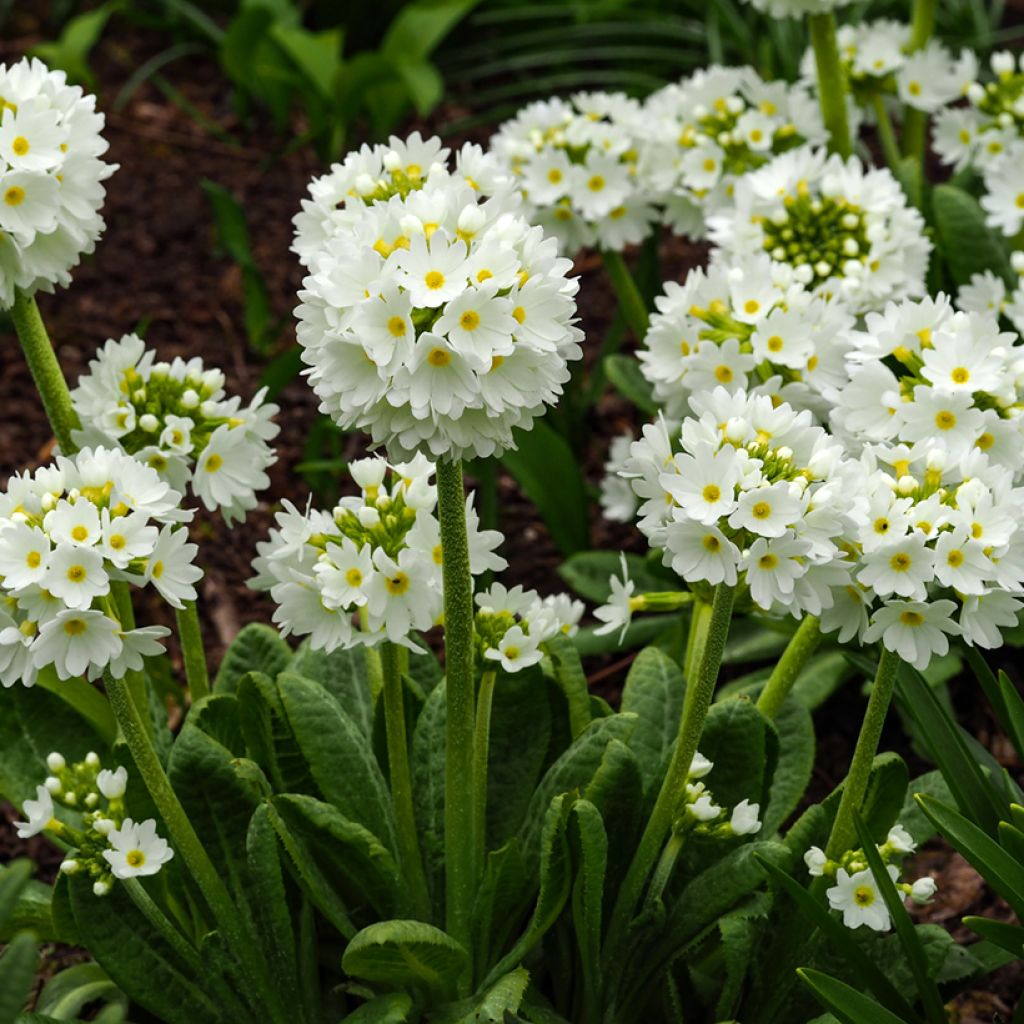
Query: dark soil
[[158, 266]]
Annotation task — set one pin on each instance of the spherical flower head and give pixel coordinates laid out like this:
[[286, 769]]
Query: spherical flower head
[[704, 132], [439, 323], [51, 176], [512, 625], [843, 229], [575, 162], [177, 419], [373, 174], [746, 325], [796, 8]]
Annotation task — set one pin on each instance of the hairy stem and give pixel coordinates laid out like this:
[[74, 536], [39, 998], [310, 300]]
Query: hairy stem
[[481, 752], [832, 86], [801, 646], [631, 302], [192, 651]]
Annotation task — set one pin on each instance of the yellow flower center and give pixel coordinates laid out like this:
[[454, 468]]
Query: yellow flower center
[[214, 462], [761, 510], [470, 320], [723, 374], [711, 493], [397, 584], [74, 627], [33, 560], [157, 570], [945, 420], [354, 578], [960, 375], [519, 314], [751, 306], [768, 561], [911, 618], [135, 858], [14, 196], [595, 183], [711, 543], [20, 145], [900, 562], [117, 542], [433, 279], [863, 896], [396, 327], [955, 558], [79, 533], [554, 175], [439, 357], [985, 441], [774, 343], [76, 573]]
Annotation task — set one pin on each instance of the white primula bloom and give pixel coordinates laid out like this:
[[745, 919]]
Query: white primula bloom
[[617, 613], [177, 419], [435, 321], [815, 860], [796, 8], [51, 178], [859, 899], [842, 229], [39, 813], [923, 889], [575, 162], [745, 820], [900, 840], [76, 641], [914, 630], [515, 651], [136, 851], [112, 784], [1003, 201], [171, 569]]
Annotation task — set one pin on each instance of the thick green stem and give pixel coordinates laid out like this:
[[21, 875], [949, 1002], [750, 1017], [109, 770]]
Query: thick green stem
[[844, 831], [46, 371], [401, 779], [699, 692], [831, 82], [631, 302], [700, 620], [801, 646], [135, 681], [459, 838], [192, 651], [481, 752], [886, 135], [184, 839]]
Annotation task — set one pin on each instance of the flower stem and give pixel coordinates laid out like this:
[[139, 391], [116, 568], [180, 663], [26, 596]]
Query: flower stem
[[46, 371], [135, 681], [831, 81], [459, 838], [634, 309], [801, 646], [710, 634], [184, 838], [844, 831], [915, 122], [700, 619], [481, 753], [886, 135], [401, 779], [192, 651]]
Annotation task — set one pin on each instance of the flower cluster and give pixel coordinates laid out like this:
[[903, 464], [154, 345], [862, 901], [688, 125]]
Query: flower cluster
[[511, 624], [701, 134], [745, 325], [375, 173], [982, 132], [375, 558], [845, 230], [698, 813], [926, 375], [576, 164], [106, 845], [856, 893], [796, 8], [877, 60], [1003, 199], [437, 322], [748, 491], [51, 177], [67, 532], [938, 552], [177, 419], [987, 293]]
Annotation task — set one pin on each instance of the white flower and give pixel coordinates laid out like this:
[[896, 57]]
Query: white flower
[[399, 595], [617, 613], [170, 567], [75, 574], [51, 178], [136, 646], [77, 640], [515, 651], [745, 820], [1003, 200], [815, 860], [923, 889], [112, 784], [860, 900], [796, 8], [914, 630], [703, 808], [39, 813], [24, 555], [900, 840], [136, 850]]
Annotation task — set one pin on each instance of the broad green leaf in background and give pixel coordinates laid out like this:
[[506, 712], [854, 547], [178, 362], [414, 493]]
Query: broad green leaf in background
[[17, 974], [257, 648], [392, 1008], [654, 693], [571, 680], [588, 572], [849, 1005], [969, 245], [625, 375], [590, 840], [69, 993], [70, 52]]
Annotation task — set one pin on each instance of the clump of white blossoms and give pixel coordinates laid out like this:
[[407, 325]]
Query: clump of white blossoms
[[617, 498], [747, 492], [105, 845], [856, 893], [938, 552], [796, 8], [988, 293], [925, 375], [51, 177], [177, 419], [1003, 199], [67, 532], [512, 624], [698, 813], [844, 229], [372, 173], [981, 133], [745, 326], [575, 162], [704, 132], [877, 60], [438, 322], [370, 569]]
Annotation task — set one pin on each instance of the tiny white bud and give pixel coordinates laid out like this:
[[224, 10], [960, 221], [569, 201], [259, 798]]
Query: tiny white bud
[[190, 399], [365, 185], [101, 889], [104, 826], [53, 785], [92, 759], [70, 866], [923, 890], [471, 219], [906, 485], [368, 517], [91, 800], [699, 766], [55, 762], [815, 860], [1003, 62], [975, 93], [149, 423], [411, 225], [209, 408], [392, 161]]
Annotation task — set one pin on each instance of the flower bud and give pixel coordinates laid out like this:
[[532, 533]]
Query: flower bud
[[55, 762]]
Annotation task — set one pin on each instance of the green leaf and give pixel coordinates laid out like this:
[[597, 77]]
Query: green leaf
[[588, 572], [391, 1008], [428, 758], [13, 880], [969, 245], [257, 648], [1002, 872], [654, 692], [625, 375], [789, 781], [407, 954], [649, 629], [910, 174], [846, 1003], [500, 902], [17, 973], [545, 467], [616, 790], [1014, 705], [81, 695], [911, 817], [317, 55], [67, 995], [344, 673], [1007, 936], [571, 680], [741, 743], [591, 842], [419, 27], [70, 52], [340, 756], [572, 771]]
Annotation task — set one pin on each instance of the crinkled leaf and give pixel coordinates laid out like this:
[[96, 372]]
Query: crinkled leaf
[[17, 973], [591, 853], [571, 680], [428, 749], [257, 648], [344, 674], [501, 902], [795, 729]]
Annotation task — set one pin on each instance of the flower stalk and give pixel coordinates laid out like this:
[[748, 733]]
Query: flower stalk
[[193, 653], [832, 85], [400, 777], [915, 122], [634, 309], [459, 818], [798, 652]]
